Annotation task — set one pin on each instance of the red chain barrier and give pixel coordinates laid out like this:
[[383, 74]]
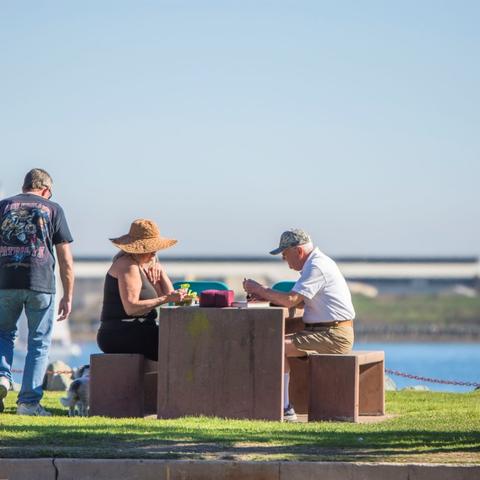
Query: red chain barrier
[[432, 380]]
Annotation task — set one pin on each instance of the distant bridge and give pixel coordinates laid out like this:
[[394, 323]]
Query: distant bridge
[[419, 272], [461, 268]]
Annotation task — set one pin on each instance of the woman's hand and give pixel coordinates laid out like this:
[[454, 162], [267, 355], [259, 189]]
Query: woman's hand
[[177, 296], [154, 272]]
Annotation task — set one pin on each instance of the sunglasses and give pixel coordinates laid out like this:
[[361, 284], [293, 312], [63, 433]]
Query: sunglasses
[[49, 192]]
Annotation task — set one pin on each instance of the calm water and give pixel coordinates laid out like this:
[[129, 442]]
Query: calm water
[[447, 361]]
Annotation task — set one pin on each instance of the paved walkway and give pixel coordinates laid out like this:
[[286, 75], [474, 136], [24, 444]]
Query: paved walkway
[[78, 469]]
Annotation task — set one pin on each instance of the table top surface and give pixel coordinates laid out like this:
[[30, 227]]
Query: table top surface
[[293, 312]]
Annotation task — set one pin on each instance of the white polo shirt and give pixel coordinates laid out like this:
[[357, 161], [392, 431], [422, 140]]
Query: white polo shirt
[[327, 297]]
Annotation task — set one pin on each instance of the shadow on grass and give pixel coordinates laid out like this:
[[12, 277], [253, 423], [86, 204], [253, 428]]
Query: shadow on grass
[[163, 438]]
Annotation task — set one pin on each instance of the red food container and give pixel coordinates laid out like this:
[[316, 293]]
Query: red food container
[[216, 298]]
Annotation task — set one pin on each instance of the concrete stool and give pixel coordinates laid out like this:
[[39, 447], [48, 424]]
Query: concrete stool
[[342, 387], [122, 385]]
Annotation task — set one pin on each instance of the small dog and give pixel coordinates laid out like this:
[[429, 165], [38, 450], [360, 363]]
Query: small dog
[[78, 393]]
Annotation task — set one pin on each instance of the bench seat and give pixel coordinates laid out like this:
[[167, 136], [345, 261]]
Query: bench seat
[[122, 385], [339, 387]]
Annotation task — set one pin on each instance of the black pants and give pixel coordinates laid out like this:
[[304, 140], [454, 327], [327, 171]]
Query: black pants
[[129, 337]]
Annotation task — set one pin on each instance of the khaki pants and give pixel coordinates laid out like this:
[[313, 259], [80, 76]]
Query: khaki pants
[[336, 339]]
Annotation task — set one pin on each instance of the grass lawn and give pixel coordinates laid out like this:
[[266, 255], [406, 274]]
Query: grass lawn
[[423, 427]]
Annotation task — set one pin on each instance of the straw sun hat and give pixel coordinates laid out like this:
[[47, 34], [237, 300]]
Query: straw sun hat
[[143, 237]]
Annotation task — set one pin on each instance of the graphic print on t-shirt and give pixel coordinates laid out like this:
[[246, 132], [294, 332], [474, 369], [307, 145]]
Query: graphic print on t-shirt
[[24, 233], [30, 227]]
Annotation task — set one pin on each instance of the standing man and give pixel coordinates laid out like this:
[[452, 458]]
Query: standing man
[[30, 226], [329, 312]]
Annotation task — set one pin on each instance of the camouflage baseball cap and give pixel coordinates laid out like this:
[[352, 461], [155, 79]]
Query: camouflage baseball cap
[[292, 238]]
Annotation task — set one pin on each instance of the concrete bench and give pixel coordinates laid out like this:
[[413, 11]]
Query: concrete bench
[[338, 387], [122, 385]]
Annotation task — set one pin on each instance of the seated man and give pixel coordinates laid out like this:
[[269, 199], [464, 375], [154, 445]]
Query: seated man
[[329, 312]]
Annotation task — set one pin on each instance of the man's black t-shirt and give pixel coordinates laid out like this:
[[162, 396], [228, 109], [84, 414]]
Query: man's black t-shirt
[[30, 226]]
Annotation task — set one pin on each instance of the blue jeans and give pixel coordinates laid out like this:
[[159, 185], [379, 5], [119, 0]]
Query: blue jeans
[[39, 309]]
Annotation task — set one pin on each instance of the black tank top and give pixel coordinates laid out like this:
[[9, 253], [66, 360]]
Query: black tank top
[[113, 311]]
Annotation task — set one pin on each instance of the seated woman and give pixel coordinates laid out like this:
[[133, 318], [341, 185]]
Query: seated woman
[[135, 285]]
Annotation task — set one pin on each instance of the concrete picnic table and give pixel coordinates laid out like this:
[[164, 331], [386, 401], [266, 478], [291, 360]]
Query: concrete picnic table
[[225, 362]]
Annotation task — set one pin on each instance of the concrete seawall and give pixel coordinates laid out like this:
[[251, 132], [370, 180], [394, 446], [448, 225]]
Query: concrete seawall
[[97, 469]]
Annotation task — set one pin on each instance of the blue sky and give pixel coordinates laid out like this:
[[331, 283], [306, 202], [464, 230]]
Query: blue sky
[[228, 122]]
